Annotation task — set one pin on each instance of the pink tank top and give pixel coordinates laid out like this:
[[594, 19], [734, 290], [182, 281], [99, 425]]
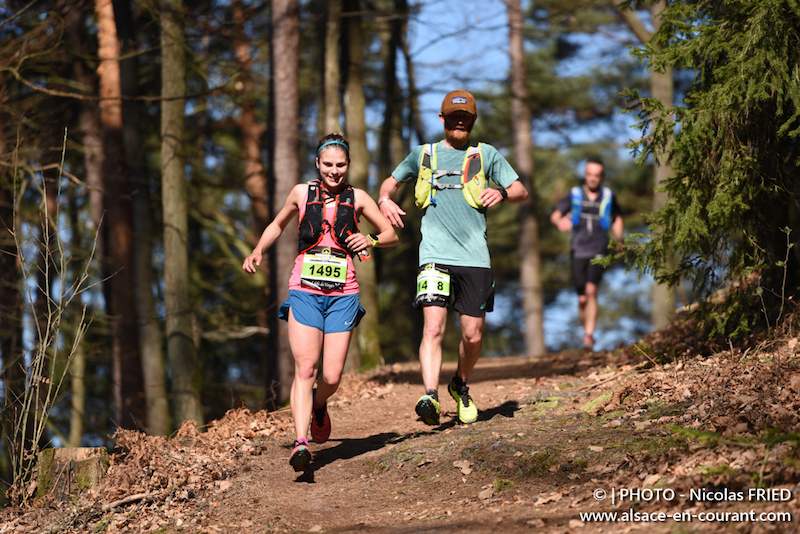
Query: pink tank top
[[322, 266]]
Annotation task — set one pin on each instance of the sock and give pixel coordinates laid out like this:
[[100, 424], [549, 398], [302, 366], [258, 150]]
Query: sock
[[458, 383], [433, 393]]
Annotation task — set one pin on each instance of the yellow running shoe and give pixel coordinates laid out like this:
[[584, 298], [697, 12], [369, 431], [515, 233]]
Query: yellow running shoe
[[465, 407], [428, 409]]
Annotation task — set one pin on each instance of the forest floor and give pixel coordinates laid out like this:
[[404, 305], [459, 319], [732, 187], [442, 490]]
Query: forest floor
[[696, 429]]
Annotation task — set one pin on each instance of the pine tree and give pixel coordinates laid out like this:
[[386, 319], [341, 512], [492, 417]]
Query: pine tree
[[733, 199]]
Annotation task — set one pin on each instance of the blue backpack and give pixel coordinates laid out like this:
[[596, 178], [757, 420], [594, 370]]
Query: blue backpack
[[580, 200]]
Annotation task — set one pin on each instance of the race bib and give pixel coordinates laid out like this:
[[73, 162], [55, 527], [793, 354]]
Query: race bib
[[324, 268], [433, 284]]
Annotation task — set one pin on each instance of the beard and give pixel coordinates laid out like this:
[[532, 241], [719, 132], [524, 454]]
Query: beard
[[457, 136]]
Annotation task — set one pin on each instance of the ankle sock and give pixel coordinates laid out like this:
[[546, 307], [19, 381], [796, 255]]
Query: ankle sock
[[433, 393], [458, 383]]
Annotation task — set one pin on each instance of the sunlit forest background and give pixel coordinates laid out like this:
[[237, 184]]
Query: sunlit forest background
[[145, 144]]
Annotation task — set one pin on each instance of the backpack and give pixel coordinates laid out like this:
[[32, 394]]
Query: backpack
[[473, 177], [313, 225], [579, 201]]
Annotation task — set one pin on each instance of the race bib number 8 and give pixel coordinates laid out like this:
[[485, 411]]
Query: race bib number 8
[[324, 268], [433, 284]]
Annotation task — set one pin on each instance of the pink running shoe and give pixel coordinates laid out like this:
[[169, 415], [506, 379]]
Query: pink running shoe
[[301, 455], [320, 424]]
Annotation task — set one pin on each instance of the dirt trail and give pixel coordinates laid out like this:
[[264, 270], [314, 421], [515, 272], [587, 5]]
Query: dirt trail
[[549, 435]]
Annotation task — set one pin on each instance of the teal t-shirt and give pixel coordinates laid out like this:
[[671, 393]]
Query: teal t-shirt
[[453, 232]]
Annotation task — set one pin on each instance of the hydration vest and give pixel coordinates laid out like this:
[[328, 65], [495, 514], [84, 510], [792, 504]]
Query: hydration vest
[[313, 224], [473, 178], [580, 201]]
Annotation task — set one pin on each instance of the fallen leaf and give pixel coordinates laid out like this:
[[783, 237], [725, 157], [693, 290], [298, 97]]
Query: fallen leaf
[[486, 494], [464, 465], [650, 480]]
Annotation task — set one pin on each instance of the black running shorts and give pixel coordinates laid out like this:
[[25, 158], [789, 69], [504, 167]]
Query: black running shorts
[[471, 291], [583, 271]]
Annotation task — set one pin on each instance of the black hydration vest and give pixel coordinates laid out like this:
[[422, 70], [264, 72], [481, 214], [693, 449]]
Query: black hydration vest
[[313, 224]]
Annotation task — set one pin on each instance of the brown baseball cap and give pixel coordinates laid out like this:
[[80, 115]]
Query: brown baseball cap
[[459, 101]]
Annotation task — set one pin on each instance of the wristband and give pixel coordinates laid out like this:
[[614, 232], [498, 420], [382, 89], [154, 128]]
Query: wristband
[[374, 239], [504, 193], [384, 199]]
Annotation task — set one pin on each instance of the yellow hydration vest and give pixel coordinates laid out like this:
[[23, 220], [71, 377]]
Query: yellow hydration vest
[[473, 178]]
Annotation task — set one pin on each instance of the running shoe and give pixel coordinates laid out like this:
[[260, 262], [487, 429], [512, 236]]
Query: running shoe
[[301, 456], [465, 407], [428, 409], [320, 424]]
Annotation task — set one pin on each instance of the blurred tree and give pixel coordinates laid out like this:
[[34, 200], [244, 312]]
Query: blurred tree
[[286, 166], [255, 179], [661, 88], [154, 375], [118, 231], [529, 256], [92, 141], [368, 355], [180, 336], [332, 71], [732, 203]]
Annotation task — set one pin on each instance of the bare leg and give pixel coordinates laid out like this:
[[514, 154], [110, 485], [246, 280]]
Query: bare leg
[[590, 309], [430, 350], [334, 355], [469, 350], [305, 343]]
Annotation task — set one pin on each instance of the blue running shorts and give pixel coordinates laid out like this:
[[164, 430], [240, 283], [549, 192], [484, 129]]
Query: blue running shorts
[[328, 313]]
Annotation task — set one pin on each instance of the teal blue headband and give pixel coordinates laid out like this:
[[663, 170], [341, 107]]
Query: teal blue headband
[[333, 143]]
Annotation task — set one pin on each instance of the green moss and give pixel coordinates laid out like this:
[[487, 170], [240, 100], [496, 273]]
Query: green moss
[[593, 406], [612, 415], [501, 484], [712, 470]]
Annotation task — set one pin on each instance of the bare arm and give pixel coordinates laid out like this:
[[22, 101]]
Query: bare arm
[[617, 229], [274, 229], [516, 193], [369, 209], [561, 221], [388, 207]]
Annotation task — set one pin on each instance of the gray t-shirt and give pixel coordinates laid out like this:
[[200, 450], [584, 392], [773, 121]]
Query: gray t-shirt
[[453, 232]]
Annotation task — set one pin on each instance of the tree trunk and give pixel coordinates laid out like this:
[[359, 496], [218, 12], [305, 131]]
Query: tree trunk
[[92, 141], [530, 271], [89, 115], [367, 332], [415, 120], [286, 166], [121, 305], [255, 181], [391, 127], [13, 372], [77, 365], [332, 73], [149, 328], [180, 345], [661, 87]]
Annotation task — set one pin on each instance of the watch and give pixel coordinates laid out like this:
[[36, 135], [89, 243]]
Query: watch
[[374, 239], [504, 193]]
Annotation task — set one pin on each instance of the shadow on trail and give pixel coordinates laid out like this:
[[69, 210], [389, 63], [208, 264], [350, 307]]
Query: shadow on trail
[[506, 409], [351, 448], [566, 362]]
